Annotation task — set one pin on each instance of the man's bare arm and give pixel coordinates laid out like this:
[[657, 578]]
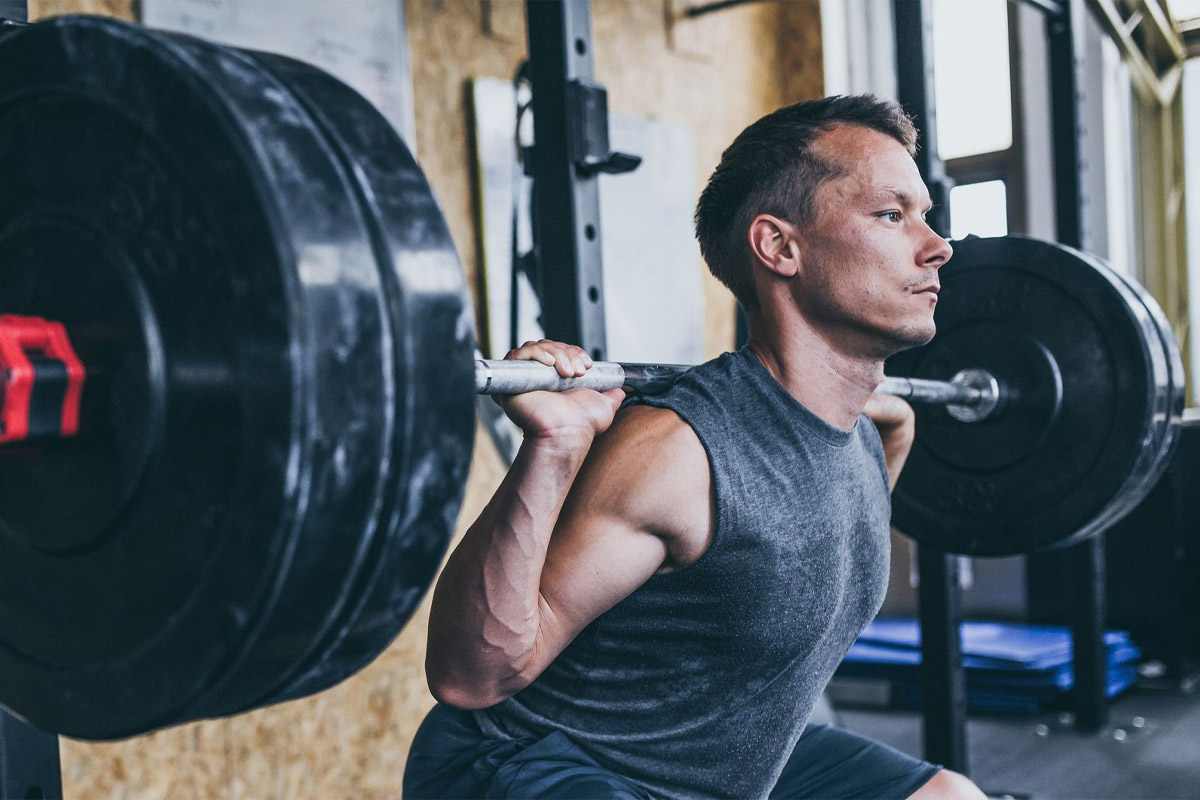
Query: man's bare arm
[[485, 619], [563, 540]]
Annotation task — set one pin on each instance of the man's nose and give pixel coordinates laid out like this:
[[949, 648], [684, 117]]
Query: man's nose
[[937, 252]]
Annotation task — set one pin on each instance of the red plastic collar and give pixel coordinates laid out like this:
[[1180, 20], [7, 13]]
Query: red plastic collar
[[20, 338]]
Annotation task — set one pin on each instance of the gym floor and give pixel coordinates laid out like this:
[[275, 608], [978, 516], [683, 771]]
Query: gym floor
[[1149, 749]]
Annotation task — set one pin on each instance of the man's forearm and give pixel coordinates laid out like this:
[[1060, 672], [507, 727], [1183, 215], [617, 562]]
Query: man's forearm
[[487, 606]]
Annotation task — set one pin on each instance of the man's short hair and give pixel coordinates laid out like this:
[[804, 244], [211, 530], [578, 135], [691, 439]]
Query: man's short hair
[[771, 169]]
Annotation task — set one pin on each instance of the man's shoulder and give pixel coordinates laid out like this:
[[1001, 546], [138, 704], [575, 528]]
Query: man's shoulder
[[648, 420], [655, 435]]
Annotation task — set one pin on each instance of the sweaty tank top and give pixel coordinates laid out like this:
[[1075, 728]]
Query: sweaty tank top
[[700, 682]]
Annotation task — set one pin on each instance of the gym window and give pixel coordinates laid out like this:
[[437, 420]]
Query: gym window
[[1187, 14], [973, 89]]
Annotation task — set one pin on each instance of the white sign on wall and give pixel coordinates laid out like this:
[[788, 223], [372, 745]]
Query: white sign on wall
[[362, 42]]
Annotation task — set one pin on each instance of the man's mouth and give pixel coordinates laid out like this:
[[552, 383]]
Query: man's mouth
[[934, 289]]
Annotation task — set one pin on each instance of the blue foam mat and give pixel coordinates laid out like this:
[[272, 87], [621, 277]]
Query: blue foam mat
[[1021, 646], [1008, 667]]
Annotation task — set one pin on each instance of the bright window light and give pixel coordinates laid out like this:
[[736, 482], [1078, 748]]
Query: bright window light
[[970, 69], [1191, 171], [1184, 9], [979, 208]]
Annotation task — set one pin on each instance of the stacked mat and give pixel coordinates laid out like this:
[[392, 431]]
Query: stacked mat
[[1010, 668]]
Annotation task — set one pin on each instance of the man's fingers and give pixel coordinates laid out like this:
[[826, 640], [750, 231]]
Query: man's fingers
[[569, 360], [887, 410], [532, 351]]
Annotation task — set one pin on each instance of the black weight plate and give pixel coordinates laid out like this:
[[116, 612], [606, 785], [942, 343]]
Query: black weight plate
[[433, 329], [1168, 416], [244, 378], [1082, 363], [350, 381]]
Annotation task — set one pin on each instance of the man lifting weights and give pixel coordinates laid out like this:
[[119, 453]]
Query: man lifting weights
[[658, 592]]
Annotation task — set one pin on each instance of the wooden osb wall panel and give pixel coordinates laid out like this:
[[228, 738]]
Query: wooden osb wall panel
[[801, 56], [453, 41], [714, 75], [39, 9]]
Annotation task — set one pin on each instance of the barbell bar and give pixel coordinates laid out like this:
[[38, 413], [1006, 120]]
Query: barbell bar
[[971, 395]]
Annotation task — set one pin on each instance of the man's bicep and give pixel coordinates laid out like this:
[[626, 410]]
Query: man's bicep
[[639, 502], [601, 550]]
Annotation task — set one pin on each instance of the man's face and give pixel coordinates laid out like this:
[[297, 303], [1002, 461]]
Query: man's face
[[869, 260]]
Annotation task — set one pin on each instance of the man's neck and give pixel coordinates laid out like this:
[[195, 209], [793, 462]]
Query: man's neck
[[828, 381]]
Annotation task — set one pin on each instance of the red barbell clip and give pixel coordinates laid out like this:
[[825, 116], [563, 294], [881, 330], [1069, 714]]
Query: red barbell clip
[[41, 380]]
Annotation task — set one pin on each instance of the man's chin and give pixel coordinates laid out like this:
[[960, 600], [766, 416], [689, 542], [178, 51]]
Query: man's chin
[[907, 339]]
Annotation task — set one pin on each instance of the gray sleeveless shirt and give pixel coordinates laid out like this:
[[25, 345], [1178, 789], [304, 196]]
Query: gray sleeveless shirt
[[700, 682]]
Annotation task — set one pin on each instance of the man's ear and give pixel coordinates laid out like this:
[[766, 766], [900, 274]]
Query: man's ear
[[774, 245]]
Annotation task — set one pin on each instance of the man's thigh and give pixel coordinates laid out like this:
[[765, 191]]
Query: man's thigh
[[829, 762], [451, 758]]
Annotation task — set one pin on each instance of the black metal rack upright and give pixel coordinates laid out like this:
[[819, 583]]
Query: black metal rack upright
[[29, 761], [567, 235], [16, 10], [1086, 570], [570, 150]]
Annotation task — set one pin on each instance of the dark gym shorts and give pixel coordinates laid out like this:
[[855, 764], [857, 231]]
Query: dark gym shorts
[[451, 758]]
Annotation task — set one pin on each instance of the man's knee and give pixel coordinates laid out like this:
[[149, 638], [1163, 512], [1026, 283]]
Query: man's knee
[[947, 785]]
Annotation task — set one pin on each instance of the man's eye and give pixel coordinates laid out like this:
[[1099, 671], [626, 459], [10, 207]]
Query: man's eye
[[892, 216]]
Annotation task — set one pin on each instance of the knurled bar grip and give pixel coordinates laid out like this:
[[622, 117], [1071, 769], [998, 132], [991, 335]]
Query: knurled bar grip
[[518, 377], [972, 394]]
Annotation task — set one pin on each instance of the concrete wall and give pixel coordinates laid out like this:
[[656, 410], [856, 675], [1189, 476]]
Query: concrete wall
[[714, 75]]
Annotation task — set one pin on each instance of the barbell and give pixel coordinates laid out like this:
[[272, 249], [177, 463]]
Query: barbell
[[970, 396], [1048, 402], [276, 414]]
